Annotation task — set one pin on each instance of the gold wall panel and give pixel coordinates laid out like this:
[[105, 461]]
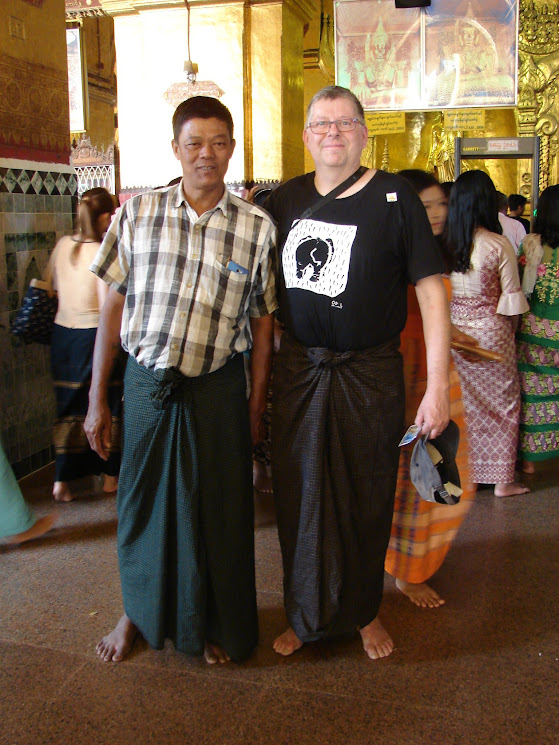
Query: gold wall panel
[[34, 82], [34, 120], [292, 95], [266, 67], [44, 37]]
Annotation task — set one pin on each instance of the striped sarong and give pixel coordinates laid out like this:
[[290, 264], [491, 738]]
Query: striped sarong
[[422, 532], [71, 364], [185, 508], [336, 422]]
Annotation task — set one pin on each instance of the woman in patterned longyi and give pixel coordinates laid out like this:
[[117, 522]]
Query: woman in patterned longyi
[[422, 532], [538, 336], [486, 301]]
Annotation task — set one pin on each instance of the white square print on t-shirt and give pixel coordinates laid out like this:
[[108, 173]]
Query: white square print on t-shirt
[[316, 257]]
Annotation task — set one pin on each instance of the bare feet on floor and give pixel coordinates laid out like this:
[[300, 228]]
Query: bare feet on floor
[[61, 492], [510, 490], [261, 478], [287, 643], [115, 646], [528, 466], [42, 526], [420, 593], [376, 641], [214, 653], [110, 484]]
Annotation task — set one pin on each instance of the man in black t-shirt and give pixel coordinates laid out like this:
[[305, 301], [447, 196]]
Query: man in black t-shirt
[[338, 410], [517, 203]]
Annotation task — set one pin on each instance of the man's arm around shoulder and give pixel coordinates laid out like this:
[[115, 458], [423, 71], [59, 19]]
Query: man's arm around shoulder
[[97, 424]]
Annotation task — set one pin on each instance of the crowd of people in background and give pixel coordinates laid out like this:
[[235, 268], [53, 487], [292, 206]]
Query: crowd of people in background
[[366, 265]]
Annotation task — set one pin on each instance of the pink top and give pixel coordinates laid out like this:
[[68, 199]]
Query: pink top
[[511, 301], [513, 230]]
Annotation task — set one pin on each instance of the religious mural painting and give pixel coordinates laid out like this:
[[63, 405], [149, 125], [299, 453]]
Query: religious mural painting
[[455, 53]]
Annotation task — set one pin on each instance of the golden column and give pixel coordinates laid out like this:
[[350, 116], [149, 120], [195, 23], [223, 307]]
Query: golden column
[[277, 95], [538, 78]]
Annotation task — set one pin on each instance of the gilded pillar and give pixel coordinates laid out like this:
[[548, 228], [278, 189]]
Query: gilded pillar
[[277, 30], [537, 113]]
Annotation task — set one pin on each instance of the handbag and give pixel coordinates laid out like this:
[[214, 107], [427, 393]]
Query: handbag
[[35, 319]]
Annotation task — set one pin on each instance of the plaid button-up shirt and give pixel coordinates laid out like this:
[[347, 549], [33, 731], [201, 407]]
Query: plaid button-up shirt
[[191, 283]]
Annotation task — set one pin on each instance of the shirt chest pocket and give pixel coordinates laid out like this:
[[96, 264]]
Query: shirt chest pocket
[[232, 281]]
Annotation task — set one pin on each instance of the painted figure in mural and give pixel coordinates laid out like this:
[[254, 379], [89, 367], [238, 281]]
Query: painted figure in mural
[[338, 409], [190, 291], [380, 66], [472, 68], [379, 60]]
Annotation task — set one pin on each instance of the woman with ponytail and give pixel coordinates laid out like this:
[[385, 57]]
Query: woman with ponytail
[[80, 297]]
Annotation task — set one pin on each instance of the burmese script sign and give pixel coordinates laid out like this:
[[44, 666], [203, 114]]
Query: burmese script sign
[[465, 120], [391, 122]]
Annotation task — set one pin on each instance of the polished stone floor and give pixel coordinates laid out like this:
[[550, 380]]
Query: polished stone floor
[[483, 669]]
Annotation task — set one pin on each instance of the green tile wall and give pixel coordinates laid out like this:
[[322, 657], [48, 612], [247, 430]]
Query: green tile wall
[[30, 225]]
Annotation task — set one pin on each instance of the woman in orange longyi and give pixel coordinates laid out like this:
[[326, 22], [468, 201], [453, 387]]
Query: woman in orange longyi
[[422, 532]]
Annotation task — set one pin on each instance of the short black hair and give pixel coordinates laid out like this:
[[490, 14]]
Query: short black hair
[[420, 180], [201, 107], [516, 201], [502, 201]]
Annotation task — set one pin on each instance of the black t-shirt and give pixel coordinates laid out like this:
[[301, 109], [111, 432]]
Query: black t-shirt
[[344, 271], [523, 220]]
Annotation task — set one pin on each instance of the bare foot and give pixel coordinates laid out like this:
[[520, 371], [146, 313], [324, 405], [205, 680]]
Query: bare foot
[[287, 643], [42, 526], [214, 653], [115, 646], [528, 466], [261, 479], [420, 593], [110, 484], [510, 490], [61, 492], [376, 642]]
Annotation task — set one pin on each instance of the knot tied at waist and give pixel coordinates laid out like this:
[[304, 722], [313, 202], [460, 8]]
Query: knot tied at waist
[[164, 387], [324, 357], [167, 384]]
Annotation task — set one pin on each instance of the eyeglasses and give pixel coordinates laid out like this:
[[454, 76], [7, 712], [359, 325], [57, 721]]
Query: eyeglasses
[[342, 125]]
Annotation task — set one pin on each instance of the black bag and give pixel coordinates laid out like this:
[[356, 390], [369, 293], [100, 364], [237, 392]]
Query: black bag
[[35, 318]]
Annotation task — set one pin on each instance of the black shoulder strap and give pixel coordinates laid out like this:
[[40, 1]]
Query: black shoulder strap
[[334, 193]]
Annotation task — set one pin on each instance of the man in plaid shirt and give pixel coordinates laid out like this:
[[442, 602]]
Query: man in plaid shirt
[[191, 289]]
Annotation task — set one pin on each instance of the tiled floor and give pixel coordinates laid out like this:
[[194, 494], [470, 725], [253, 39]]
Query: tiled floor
[[483, 669]]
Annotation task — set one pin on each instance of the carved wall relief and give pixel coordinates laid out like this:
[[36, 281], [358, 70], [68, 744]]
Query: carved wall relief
[[538, 43]]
